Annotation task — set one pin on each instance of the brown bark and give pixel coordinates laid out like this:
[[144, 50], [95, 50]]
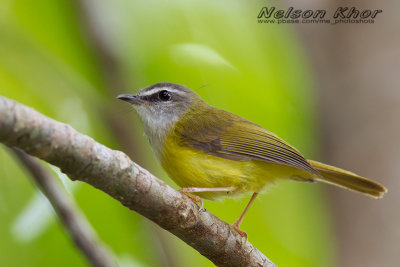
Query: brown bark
[[81, 158]]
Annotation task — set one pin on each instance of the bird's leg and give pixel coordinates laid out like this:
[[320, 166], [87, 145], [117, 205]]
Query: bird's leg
[[187, 190], [236, 224]]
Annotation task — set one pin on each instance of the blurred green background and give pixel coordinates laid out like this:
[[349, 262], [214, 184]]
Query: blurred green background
[[69, 59]]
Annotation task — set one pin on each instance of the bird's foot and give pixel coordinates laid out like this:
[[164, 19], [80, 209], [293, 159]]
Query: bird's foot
[[194, 198], [237, 229]]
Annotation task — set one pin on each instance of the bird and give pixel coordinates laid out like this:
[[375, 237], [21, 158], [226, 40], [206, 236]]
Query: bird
[[212, 153]]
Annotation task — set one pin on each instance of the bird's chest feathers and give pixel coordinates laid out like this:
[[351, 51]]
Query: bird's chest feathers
[[189, 167]]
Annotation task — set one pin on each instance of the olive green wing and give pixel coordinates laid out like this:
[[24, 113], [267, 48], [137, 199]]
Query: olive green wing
[[226, 135]]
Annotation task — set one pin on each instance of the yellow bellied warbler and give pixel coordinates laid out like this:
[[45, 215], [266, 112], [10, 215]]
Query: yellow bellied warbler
[[211, 153]]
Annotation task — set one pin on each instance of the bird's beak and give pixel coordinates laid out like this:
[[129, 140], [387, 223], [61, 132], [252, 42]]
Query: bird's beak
[[133, 99]]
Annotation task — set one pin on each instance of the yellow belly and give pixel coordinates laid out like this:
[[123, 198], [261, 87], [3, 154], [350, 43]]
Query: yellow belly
[[194, 168]]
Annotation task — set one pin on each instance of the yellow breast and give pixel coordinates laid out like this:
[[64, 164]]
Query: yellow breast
[[194, 168]]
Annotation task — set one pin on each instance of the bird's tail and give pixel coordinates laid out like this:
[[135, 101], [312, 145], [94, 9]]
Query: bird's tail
[[348, 180]]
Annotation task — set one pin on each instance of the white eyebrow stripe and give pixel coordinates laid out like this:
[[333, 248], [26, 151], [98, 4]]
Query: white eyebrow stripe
[[158, 89], [150, 92]]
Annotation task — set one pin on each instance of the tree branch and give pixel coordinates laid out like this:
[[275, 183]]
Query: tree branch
[[110, 68], [81, 158], [76, 225]]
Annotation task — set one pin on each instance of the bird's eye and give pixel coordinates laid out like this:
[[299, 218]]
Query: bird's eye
[[164, 95]]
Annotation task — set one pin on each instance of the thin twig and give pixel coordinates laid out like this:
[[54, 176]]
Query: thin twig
[[75, 223], [81, 158]]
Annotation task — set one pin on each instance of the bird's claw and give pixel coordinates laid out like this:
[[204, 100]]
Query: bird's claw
[[240, 232], [195, 198]]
